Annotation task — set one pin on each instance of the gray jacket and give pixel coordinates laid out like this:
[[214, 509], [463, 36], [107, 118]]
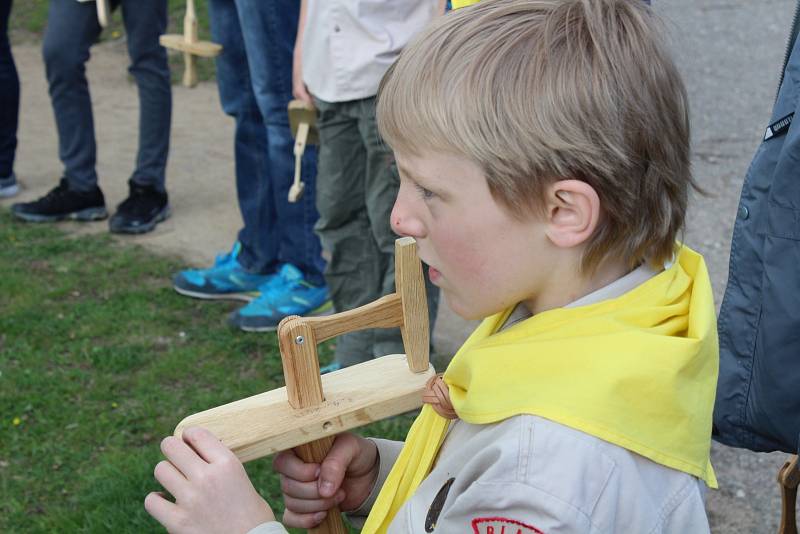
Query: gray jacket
[[758, 398]]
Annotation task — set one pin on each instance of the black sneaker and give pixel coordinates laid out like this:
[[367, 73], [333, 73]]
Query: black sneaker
[[63, 203], [141, 211]]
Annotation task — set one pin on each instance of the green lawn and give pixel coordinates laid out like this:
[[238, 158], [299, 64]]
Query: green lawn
[[29, 18], [99, 359]]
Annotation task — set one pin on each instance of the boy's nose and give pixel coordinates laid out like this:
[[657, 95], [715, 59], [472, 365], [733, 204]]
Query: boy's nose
[[403, 222]]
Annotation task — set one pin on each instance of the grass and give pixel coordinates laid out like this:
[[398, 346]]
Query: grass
[[29, 18], [99, 359]]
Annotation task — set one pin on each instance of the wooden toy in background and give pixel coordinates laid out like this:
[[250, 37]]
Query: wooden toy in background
[[788, 480], [103, 12], [190, 46], [302, 120], [312, 409]]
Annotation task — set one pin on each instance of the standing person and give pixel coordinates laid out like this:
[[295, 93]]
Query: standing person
[[276, 264], [343, 49], [72, 28], [9, 107]]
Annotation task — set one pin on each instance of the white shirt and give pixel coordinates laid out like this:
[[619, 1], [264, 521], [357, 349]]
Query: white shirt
[[348, 45]]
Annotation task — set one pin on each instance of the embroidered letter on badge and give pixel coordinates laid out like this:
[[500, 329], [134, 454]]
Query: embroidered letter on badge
[[502, 525]]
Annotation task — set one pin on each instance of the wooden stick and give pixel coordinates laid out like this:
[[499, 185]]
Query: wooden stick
[[103, 13], [296, 191], [411, 288], [189, 37], [789, 479]]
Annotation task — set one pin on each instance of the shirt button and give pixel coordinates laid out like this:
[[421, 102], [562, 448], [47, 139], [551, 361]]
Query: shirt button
[[744, 212], [337, 29]]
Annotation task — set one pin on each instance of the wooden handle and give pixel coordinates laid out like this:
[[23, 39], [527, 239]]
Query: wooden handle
[[189, 36], [103, 13], [296, 191], [315, 452], [304, 389], [789, 479]]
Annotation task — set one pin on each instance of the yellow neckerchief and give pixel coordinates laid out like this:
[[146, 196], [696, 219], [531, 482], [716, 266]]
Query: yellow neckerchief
[[638, 371], [458, 4]]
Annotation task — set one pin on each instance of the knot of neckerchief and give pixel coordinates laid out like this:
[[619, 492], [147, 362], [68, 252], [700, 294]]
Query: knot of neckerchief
[[437, 395]]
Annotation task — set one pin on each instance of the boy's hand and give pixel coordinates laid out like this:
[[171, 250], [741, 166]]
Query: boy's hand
[[345, 477], [211, 489]]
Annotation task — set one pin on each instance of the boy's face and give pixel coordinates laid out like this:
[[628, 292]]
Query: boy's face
[[482, 258]]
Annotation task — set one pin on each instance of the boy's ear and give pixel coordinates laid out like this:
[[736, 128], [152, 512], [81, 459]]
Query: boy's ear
[[572, 212]]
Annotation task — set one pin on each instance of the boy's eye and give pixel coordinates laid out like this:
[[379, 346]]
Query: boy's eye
[[426, 194]]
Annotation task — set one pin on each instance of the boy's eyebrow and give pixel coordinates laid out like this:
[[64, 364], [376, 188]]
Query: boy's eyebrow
[[409, 174]]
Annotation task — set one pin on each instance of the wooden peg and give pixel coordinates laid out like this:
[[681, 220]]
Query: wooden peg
[[789, 479], [302, 120], [103, 13], [309, 412], [190, 45]]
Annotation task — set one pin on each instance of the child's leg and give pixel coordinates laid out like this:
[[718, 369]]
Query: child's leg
[[353, 272]]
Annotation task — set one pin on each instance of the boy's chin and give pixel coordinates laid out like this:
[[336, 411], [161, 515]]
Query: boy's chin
[[466, 312]]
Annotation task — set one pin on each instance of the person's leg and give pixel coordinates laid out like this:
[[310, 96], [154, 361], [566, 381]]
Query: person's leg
[[145, 21], [352, 273], [72, 27], [9, 106], [269, 30], [258, 237], [147, 203], [253, 260], [380, 186], [285, 230]]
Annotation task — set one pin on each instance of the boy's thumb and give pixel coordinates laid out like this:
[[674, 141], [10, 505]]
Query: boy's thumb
[[334, 466]]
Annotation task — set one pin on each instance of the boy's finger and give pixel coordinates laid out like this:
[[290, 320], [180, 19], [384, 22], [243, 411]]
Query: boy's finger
[[182, 456], [287, 463], [298, 489], [206, 445], [162, 510], [170, 478], [311, 506], [291, 519]]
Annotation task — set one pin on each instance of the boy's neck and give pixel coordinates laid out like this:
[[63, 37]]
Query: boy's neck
[[570, 284]]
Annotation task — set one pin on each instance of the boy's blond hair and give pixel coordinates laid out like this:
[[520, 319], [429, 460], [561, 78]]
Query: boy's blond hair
[[535, 91]]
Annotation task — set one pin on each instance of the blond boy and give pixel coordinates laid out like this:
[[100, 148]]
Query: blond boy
[[543, 149]]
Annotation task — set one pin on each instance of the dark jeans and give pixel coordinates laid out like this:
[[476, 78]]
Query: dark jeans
[[254, 74], [356, 188], [72, 28], [9, 96]]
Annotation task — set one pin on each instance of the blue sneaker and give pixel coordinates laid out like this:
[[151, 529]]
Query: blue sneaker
[[288, 293], [330, 368], [227, 279]]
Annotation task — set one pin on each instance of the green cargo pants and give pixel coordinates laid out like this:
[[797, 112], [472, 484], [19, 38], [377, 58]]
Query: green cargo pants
[[357, 184]]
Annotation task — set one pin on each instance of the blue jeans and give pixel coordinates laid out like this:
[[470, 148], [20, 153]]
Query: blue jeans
[[72, 28], [9, 96], [254, 74]]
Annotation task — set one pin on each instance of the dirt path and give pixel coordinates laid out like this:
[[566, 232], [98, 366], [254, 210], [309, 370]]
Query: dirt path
[[730, 53]]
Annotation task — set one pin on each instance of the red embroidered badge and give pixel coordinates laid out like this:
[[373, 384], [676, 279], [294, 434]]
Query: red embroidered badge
[[502, 525]]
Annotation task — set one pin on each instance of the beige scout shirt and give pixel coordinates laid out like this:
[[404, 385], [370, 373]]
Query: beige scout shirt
[[527, 474], [349, 44]]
